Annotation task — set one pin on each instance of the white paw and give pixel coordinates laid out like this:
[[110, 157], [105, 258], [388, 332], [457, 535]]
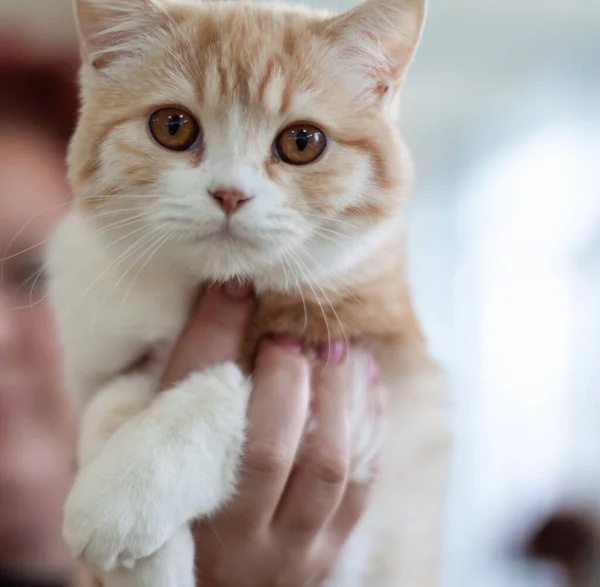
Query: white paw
[[173, 462], [109, 523], [171, 566]]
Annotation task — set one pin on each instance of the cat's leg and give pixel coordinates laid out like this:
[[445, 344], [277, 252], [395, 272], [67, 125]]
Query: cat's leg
[[172, 462], [410, 497], [397, 543], [168, 567], [110, 408]]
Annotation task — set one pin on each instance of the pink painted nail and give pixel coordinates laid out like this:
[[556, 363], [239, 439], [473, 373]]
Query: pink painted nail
[[238, 290], [288, 342], [334, 352]]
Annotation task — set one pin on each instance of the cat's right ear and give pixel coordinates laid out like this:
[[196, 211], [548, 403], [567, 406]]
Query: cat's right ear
[[375, 43], [111, 29]]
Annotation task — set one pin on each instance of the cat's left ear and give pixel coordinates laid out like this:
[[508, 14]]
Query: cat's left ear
[[375, 43]]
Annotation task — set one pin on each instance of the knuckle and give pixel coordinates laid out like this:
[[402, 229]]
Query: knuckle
[[266, 458], [329, 468]]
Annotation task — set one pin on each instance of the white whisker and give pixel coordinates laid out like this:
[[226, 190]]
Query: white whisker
[[286, 258], [331, 277], [116, 261], [308, 281], [331, 240], [285, 274], [142, 243], [28, 307], [156, 247], [328, 219], [39, 272], [119, 224], [7, 257], [328, 230]]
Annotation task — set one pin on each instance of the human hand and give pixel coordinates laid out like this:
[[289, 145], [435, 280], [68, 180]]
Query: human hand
[[295, 508]]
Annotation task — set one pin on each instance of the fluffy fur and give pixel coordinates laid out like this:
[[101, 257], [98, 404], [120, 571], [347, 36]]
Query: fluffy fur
[[322, 244]]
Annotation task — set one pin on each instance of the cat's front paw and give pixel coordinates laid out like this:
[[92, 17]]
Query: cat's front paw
[[171, 566], [173, 462], [107, 528]]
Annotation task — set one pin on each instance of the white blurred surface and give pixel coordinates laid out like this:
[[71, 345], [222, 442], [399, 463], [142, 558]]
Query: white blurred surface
[[502, 111]]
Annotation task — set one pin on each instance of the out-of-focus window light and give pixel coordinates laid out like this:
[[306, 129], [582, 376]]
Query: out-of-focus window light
[[524, 214]]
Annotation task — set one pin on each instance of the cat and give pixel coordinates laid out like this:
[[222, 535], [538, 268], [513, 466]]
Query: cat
[[258, 142]]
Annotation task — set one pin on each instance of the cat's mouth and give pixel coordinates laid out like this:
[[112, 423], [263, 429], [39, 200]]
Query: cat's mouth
[[228, 234], [231, 235], [224, 235]]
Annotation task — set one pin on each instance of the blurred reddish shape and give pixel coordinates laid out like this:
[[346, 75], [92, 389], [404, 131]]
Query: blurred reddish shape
[[41, 85]]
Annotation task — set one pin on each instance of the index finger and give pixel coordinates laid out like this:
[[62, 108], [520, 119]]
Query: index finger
[[276, 419], [214, 333]]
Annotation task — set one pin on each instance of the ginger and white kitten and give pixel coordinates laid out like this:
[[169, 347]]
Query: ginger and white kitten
[[228, 140]]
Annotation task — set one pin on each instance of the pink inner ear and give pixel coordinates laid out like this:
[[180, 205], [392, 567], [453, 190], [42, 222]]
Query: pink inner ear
[[380, 37]]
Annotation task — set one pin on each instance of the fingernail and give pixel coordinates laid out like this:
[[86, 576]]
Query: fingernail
[[288, 342], [374, 372], [237, 290], [334, 352]]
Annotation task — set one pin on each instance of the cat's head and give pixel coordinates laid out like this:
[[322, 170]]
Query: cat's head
[[245, 138]]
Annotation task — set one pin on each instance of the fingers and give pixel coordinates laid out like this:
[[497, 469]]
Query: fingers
[[214, 333], [358, 492], [277, 413], [291, 528], [317, 484]]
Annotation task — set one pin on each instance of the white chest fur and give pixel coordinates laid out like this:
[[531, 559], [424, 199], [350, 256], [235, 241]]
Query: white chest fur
[[109, 309], [140, 453]]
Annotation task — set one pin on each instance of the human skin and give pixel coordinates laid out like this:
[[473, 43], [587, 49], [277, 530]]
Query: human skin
[[36, 432]]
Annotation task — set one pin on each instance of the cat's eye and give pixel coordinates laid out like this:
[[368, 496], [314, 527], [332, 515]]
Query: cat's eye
[[300, 144], [174, 129]]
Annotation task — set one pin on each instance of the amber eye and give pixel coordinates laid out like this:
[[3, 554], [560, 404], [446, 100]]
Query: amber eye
[[174, 129], [300, 144]]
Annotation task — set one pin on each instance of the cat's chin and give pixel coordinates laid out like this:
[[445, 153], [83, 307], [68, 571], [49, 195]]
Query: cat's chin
[[222, 259]]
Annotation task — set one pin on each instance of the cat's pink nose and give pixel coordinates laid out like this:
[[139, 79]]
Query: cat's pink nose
[[229, 199]]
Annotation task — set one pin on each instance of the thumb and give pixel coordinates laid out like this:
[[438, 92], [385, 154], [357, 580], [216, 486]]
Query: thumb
[[214, 333]]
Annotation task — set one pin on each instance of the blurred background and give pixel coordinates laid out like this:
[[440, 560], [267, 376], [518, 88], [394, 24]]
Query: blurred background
[[502, 112]]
